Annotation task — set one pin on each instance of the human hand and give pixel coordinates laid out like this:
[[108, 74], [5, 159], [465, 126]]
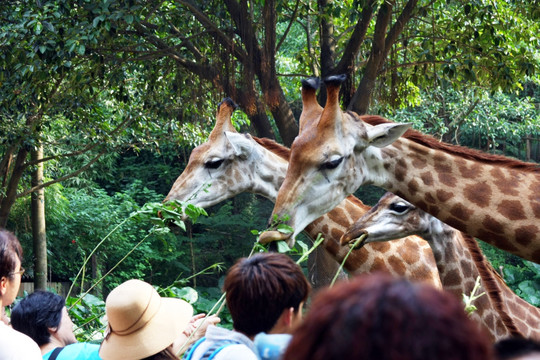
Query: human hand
[[198, 324]]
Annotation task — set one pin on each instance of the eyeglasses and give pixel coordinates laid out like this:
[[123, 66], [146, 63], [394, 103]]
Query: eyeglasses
[[18, 272]]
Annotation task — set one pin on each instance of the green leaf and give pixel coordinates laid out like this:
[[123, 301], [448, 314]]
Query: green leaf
[[283, 247]]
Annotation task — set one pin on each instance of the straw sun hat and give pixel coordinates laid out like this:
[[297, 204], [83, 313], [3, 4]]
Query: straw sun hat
[[141, 323]]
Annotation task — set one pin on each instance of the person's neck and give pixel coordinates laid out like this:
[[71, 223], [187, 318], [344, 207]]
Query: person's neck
[[51, 345], [3, 316]]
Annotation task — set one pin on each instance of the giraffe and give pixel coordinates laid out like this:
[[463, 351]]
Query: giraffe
[[459, 261], [233, 163], [490, 197]]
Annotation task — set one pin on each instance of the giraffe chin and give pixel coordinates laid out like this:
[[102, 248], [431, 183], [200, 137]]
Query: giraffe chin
[[355, 240], [274, 235]]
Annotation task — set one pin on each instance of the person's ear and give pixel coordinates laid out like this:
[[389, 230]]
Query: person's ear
[[288, 315], [3, 285]]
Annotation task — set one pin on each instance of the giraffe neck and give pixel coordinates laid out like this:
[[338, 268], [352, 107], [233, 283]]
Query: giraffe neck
[[460, 262], [499, 205]]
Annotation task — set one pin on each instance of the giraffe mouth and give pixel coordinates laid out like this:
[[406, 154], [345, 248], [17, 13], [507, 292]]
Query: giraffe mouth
[[274, 235], [353, 240]]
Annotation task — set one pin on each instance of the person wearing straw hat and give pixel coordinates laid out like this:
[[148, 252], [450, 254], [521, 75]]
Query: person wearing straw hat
[[143, 325], [264, 294]]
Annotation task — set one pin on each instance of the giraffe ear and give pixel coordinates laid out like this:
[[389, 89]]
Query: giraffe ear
[[384, 134], [242, 144]]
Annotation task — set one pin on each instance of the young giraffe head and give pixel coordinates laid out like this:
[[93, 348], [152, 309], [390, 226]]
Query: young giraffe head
[[390, 219], [223, 162], [327, 163]]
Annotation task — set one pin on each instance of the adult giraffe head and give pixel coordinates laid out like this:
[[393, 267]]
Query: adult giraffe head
[[329, 160], [210, 164]]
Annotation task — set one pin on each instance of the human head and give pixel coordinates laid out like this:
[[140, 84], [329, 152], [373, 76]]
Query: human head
[[141, 323], [41, 315], [517, 348], [376, 316], [10, 267], [259, 288]]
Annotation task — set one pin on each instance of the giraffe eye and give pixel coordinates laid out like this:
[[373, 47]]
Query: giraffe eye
[[213, 163], [400, 207], [332, 164]]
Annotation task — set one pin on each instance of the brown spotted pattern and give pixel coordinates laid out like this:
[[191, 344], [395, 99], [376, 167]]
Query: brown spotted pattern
[[498, 204], [460, 262]]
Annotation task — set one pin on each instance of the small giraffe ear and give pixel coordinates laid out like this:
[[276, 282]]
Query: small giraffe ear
[[384, 134], [242, 144]]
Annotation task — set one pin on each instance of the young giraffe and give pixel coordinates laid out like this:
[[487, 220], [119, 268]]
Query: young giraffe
[[490, 197], [233, 163], [459, 260]]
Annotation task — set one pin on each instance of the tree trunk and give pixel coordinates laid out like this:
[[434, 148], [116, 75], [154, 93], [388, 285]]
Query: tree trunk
[[11, 190], [38, 224]]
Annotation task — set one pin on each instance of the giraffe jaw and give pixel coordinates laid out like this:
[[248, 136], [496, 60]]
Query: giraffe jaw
[[274, 235], [355, 240]]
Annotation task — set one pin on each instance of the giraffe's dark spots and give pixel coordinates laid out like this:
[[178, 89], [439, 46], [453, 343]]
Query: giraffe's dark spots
[[526, 234], [421, 204], [337, 214], [461, 212], [471, 172], [412, 187], [492, 224], [496, 239], [336, 233], [511, 209], [430, 198], [382, 247], [397, 265], [397, 145], [479, 194], [448, 180], [410, 256], [506, 185], [427, 178], [324, 228], [452, 278], [444, 196], [536, 208], [456, 223], [466, 267], [419, 163], [401, 170], [434, 210]]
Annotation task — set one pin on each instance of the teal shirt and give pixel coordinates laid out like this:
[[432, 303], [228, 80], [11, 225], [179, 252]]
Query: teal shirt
[[79, 351]]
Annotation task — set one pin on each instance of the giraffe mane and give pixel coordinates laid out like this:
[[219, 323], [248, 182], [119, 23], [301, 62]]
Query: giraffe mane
[[491, 280], [284, 152], [274, 147], [462, 151]]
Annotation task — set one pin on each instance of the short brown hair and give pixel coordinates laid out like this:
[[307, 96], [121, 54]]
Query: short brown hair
[[260, 287], [10, 251]]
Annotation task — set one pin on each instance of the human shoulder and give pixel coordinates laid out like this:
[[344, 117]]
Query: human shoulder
[[232, 345], [236, 352], [80, 351], [15, 345]]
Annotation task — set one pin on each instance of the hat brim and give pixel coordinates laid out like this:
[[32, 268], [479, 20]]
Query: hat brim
[[160, 332]]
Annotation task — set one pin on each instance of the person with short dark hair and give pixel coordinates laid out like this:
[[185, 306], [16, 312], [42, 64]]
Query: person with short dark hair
[[265, 294], [43, 316], [13, 344], [379, 317], [517, 348]]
